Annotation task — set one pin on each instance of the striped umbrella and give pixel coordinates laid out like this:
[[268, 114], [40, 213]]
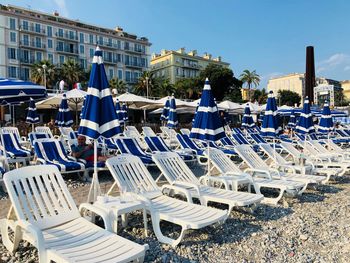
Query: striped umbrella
[[125, 113], [291, 123], [195, 113], [64, 116], [305, 124], [165, 113], [32, 116], [326, 121], [270, 126], [172, 118], [247, 121], [99, 116], [119, 111], [207, 124]]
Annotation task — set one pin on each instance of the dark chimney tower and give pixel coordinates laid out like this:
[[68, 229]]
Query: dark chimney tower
[[310, 81]]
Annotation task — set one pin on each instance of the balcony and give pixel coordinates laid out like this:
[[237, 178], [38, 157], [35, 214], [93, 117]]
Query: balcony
[[134, 50], [194, 66], [67, 50], [109, 61], [28, 61], [32, 44], [110, 45], [134, 65], [32, 29], [67, 36]]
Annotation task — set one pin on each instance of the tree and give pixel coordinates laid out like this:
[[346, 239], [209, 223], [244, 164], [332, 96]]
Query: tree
[[221, 79], [187, 88], [37, 72], [163, 87], [260, 96], [117, 84], [72, 72], [287, 97], [146, 81], [251, 78]]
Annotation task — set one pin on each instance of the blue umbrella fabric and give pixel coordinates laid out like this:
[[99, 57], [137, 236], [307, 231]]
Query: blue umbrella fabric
[[172, 119], [207, 124], [247, 121], [64, 117], [326, 121], [305, 123], [99, 117], [165, 113], [119, 112], [125, 113], [195, 113], [32, 116], [270, 126], [292, 121]]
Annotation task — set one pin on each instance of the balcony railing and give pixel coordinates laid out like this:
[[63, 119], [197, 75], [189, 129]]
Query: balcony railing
[[32, 29], [134, 50], [67, 36], [135, 65], [27, 60], [32, 44], [109, 44], [73, 51]]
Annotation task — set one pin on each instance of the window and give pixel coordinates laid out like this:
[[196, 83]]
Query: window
[[12, 72], [26, 40], [60, 32], [82, 63], [71, 35], [100, 40], [81, 36], [92, 52], [61, 59], [91, 39], [37, 28], [13, 37], [25, 56], [38, 42], [39, 56], [120, 74], [118, 44], [60, 46], [12, 53], [111, 73], [127, 60], [81, 49], [126, 45], [49, 43], [13, 23], [25, 25], [127, 76], [25, 74], [50, 57], [49, 31]]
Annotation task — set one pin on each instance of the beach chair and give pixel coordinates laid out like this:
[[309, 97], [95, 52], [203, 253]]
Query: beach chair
[[21, 139], [169, 135], [182, 180], [187, 144], [37, 135], [277, 161], [44, 129], [130, 146], [185, 131], [319, 146], [132, 132], [148, 132], [14, 151], [230, 172], [65, 131], [241, 140], [133, 179], [156, 144], [253, 160], [43, 213], [51, 151]]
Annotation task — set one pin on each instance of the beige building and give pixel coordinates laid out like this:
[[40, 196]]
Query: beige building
[[293, 82], [181, 64], [27, 36], [245, 93], [346, 89]]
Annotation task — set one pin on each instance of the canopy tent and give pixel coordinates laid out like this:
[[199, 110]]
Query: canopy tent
[[135, 102]]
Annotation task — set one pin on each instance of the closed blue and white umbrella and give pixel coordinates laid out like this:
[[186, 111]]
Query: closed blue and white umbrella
[[32, 116], [292, 121], [172, 119], [195, 113], [270, 126], [165, 113], [326, 121], [125, 113], [119, 112], [99, 116], [64, 117], [247, 121], [305, 124]]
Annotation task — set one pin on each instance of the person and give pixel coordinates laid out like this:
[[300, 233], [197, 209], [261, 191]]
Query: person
[[86, 151], [61, 86]]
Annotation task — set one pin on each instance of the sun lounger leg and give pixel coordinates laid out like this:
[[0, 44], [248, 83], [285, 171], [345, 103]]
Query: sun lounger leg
[[273, 201], [4, 231]]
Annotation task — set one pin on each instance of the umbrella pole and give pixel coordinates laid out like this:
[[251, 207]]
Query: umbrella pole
[[95, 189], [76, 113], [208, 174], [32, 127]]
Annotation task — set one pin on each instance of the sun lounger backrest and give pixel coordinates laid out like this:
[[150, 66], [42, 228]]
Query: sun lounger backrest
[[341, 133], [13, 130], [289, 147], [271, 152], [174, 168], [222, 162], [257, 138], [185, 131], [251, 158], [11, 142], [239, 139], [39, 195], [131, 175], [37, 135], [65, 131], [227, 141], [129, 145], [148, 132], [190, 143], [310, 149], [157, 144], [44, 130]]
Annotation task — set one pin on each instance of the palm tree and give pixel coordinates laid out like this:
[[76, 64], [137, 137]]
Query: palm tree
[[72, 72], [250, 78], [145, 84], [163, 87], [40, 76], [117, 84]]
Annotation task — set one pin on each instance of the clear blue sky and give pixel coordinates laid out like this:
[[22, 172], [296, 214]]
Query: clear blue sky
[[268, 36]]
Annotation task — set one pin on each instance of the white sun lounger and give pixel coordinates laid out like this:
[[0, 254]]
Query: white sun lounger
[[278, 162], [179, 175], [43, 213], [229, 170], [133, 179]]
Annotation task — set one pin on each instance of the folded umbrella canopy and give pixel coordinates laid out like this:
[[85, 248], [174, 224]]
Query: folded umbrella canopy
[[247, 121], [32, 115], [99, 116], [165, 112], [172, 117], [64, 116], [120, 113], [305, 123], [326, 121]]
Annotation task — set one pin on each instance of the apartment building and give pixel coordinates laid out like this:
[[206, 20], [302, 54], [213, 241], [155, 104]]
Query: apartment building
[[27, 36], [175, 65]]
